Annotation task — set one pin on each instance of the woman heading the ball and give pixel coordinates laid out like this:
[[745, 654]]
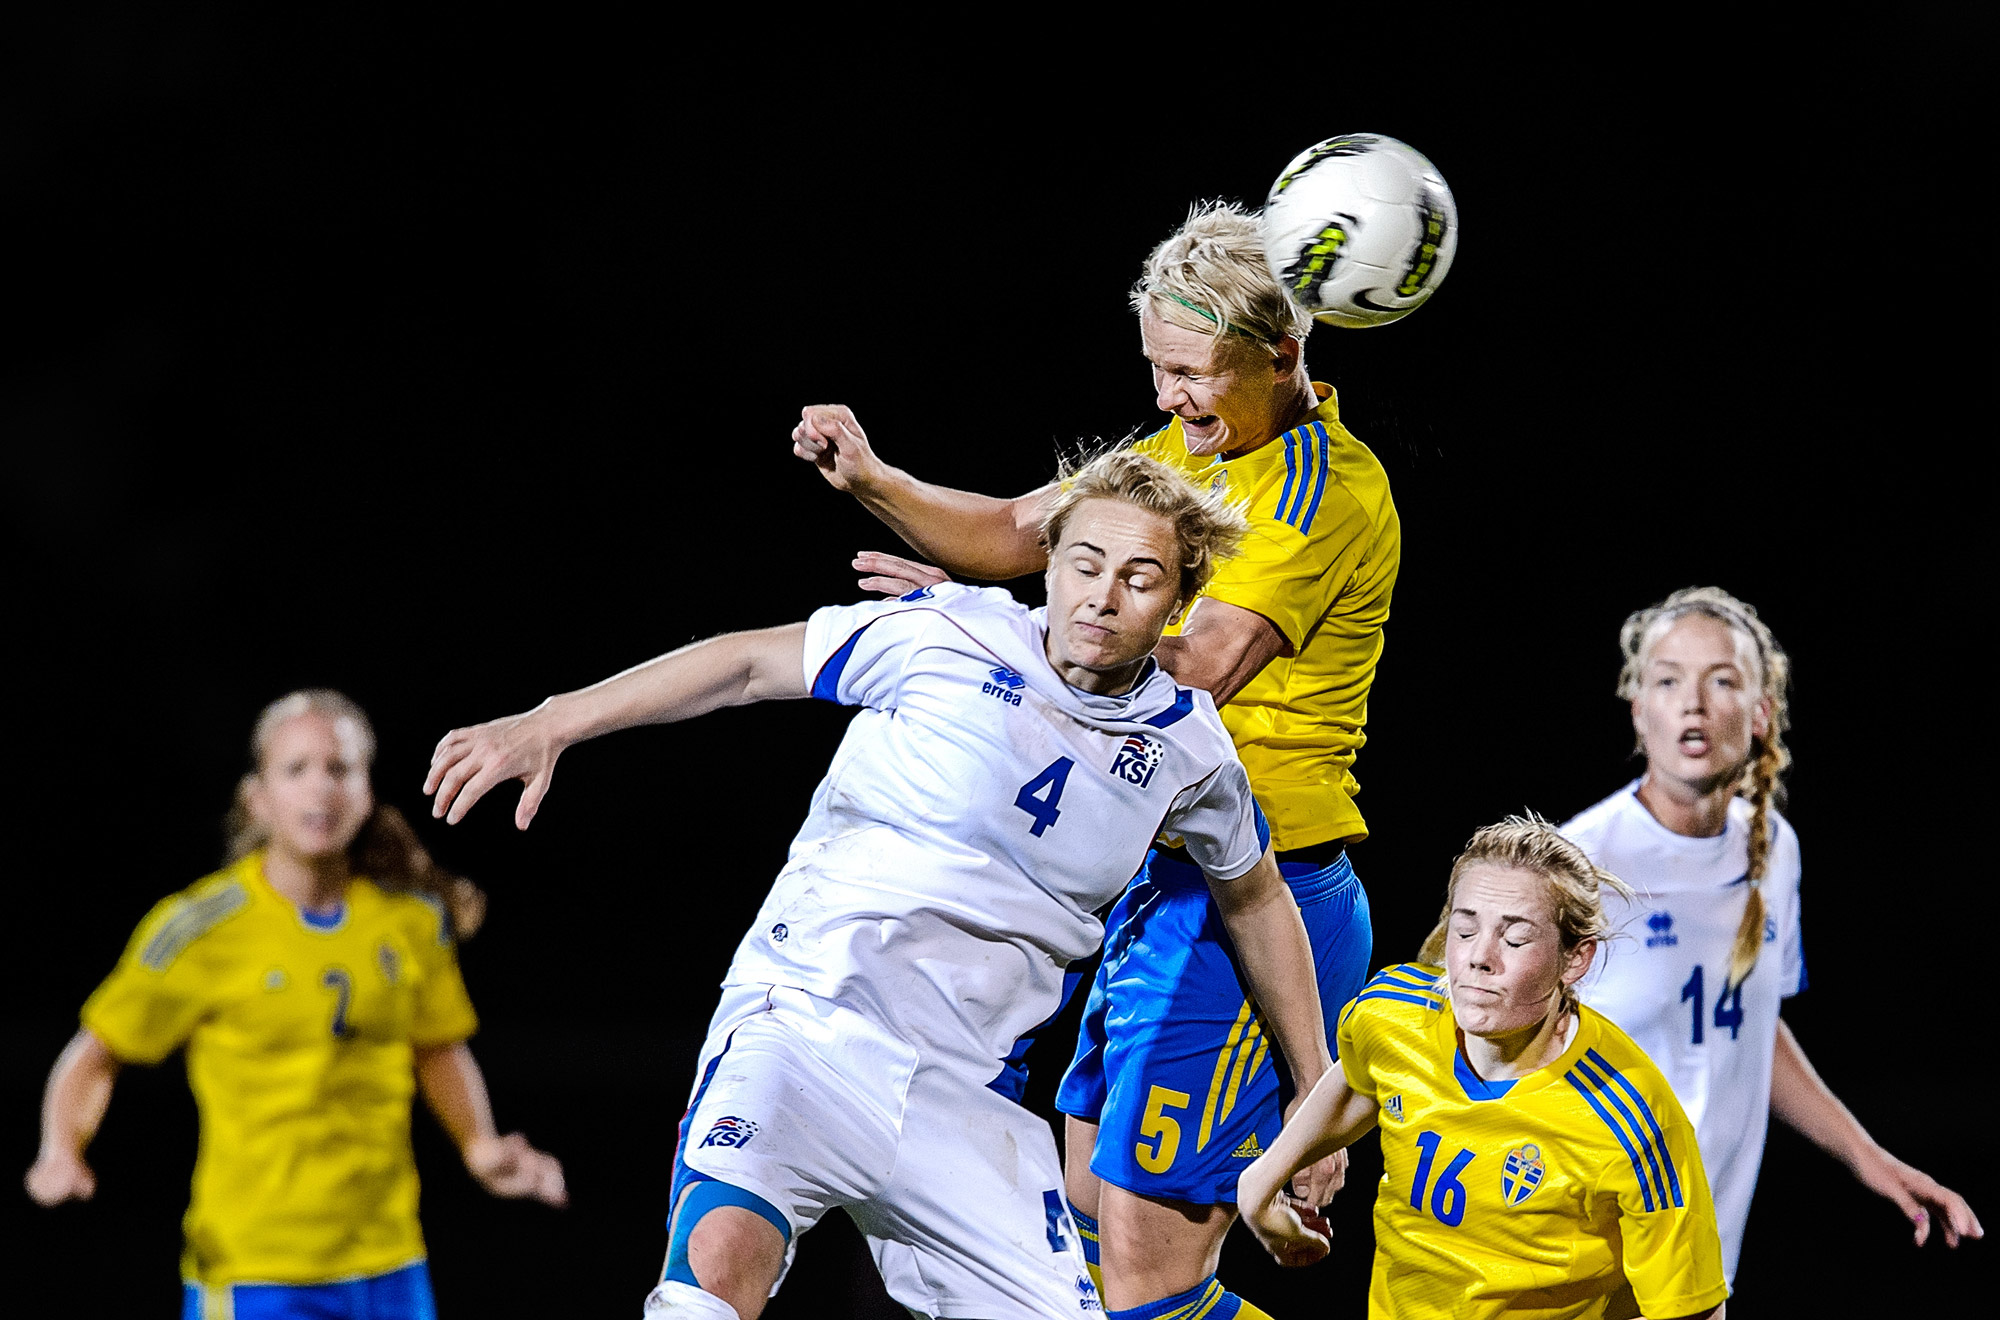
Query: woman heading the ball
[[1173, 1084], [314, 983], [1535, 1162], [1714, 943]]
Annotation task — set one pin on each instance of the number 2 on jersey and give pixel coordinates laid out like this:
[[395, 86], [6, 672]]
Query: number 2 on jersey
[[337, 980], [1043, 809]]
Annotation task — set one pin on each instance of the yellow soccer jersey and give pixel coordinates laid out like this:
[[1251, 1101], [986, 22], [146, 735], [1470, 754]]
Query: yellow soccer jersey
[[1576, 1191], [1320, 564], [299, 1038]]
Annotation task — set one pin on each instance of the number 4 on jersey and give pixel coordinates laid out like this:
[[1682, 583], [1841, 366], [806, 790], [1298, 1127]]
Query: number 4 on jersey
[[1043, 809]]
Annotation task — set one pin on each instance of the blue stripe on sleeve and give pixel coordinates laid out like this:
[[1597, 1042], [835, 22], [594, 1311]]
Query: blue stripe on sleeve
[[1305, 476], [1182, 708], [1263, 826], [1652, 1124], [1401, 999], [1291, 476], [1319, 482], [1645, 1188], [1393, 976], [1605, 1089], [826, 686]]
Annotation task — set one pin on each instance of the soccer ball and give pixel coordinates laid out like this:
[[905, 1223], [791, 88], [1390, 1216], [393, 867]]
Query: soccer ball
[[1360, 230]]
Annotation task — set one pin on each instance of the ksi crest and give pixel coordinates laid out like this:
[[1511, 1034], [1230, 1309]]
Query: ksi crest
[[1521, 1173], [1138, 758]]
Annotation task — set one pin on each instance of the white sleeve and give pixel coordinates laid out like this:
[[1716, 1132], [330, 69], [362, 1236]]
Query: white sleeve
[[1219, 822], [855, 653], [1791, 940]]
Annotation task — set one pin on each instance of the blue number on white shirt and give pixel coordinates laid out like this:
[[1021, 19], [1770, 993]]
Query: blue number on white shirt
[[1728, 1006], [1692, 990], [1043, 809]]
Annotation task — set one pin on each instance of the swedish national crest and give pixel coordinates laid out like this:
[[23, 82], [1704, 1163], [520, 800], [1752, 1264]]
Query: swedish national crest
[[1521, 1173]]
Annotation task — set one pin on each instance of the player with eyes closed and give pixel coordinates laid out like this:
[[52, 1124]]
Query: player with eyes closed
[[1002, 782], [1173, 1087], [315, 986], [1711, 941], [1535, 1163]]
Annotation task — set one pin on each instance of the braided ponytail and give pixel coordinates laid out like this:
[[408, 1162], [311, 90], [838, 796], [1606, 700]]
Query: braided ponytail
[[1760, 780]]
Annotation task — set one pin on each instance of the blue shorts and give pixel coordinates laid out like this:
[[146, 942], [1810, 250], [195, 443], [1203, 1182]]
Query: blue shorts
[[403, 1294], [1170, 1060]]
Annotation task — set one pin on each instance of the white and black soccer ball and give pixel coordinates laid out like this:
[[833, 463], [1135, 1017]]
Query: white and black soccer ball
[[1360, 230]]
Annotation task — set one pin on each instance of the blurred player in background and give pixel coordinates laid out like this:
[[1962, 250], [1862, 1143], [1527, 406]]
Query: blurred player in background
[[1535, 1163], [314, 984], [1173, 1090], [1714, 941], [1005, 778]]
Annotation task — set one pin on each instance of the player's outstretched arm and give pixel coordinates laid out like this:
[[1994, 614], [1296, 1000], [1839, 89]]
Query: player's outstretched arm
[[735, 669], [978, 536], [1802, 1099], [1333, 1117], [455, 1089], [1221, 648], [73, 1104]]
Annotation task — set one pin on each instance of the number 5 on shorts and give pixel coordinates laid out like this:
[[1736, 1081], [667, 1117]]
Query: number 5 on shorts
[[1166, 1134]]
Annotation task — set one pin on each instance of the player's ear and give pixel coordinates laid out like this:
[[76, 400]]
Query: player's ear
[[1579, 961], [1285, 357]]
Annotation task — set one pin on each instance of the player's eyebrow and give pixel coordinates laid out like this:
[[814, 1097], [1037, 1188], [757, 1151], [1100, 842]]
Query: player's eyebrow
[[1506, 918]]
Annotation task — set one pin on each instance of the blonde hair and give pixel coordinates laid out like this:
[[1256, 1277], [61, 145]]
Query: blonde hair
[[1210, 276], [1575, 884], [1206, 524], [1758, 778], [386, 849]]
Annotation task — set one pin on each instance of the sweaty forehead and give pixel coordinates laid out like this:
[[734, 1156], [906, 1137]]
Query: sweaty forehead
[[1699, 641]]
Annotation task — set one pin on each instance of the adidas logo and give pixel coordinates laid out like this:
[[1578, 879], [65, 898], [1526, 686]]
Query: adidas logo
[[1394, 1108], [1249, 1150]]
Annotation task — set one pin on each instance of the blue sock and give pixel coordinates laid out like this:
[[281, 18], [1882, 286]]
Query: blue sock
[[1207, 1300]]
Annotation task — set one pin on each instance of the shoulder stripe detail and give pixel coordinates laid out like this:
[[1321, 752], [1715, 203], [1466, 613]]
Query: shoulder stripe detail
[[826, 684], [1654, 1151], [1291, 475], [1300, 439], [1405, 980], [1182, 708], [1319, 482], [196, 919], [1652, 1124], [1366, 995], [1638, 1171]]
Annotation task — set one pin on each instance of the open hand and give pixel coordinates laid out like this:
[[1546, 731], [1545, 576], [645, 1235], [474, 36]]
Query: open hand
[[469, 762], [508, 1166], [1920, 1197], [892, 575]]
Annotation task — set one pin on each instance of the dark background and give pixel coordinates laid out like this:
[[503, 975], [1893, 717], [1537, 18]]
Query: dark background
[[455, 368]]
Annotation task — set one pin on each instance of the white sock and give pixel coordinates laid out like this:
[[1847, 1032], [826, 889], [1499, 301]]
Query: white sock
[[678, 1299]]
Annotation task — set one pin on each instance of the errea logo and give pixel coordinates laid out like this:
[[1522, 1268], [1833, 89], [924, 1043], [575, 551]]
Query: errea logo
[[1138, 757], [1662, 926], [1005, 684]]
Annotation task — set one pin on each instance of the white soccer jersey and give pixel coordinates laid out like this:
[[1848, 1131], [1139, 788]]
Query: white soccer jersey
[[1662, 979], [976, 816]]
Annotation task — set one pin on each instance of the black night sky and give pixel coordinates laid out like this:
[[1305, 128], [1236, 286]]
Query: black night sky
[[453, 368]]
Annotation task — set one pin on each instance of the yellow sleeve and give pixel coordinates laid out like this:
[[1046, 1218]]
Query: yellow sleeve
[[444, 1013], [164, 984], [1672, 1253], [1292, 578], [1351, 1041]]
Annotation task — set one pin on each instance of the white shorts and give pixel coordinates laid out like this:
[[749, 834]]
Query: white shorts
[[958, 1190]]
